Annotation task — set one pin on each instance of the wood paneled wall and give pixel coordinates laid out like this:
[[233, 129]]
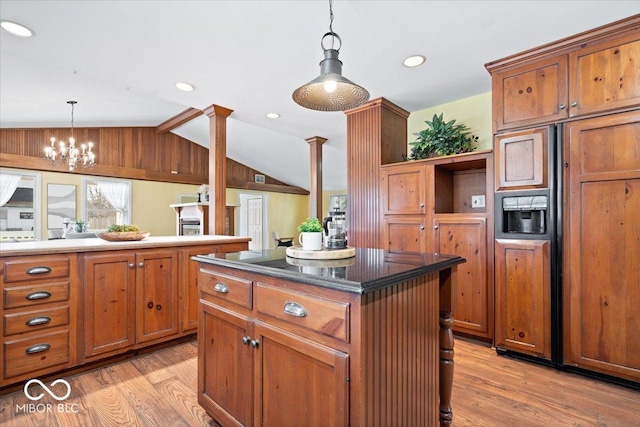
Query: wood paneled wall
[[376, 135], [133, 153]]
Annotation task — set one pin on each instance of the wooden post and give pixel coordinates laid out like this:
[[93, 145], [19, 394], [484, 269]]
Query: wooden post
[[217, 166], [315, 205]]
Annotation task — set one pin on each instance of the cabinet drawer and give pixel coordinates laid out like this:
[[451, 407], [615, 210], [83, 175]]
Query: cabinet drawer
[[35, 268], [33, 354], [18, 323], [318, 314], [24, 296], [224, 288]]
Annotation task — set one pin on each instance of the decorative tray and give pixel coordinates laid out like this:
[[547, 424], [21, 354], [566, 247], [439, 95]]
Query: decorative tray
[[325, 254], [123, 236]]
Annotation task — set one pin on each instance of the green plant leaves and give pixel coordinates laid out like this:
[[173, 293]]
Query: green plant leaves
[[441, 138]]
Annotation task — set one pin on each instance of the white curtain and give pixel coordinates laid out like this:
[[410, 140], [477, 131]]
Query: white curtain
[[115, 193], [8, 185]]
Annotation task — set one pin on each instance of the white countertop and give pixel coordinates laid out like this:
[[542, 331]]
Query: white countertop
[[34, 247]]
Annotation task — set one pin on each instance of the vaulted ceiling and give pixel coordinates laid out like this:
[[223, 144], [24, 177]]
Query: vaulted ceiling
[[121, 59]]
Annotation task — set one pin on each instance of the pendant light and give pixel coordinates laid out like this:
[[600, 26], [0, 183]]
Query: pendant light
[[70, 154], [330, 91]]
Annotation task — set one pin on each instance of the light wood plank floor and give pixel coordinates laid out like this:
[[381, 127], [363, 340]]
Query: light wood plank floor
[[159, 389]]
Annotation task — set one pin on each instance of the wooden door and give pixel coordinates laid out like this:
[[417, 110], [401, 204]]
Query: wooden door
[[298, 382], [405, 235], [254, 223], [604, 76], [523, 296], [530, 94], [601, 273], [467, 237], [522, 159], [109, 302], [156, 294], [404, 189], [225, 366]]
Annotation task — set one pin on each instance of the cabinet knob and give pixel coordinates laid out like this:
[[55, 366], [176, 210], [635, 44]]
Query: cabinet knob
[[435, 227], [574, 104], [562, 106], [141, 264], [246, 340], [132, 265], [255, 343], [421, 227], [421, 205]]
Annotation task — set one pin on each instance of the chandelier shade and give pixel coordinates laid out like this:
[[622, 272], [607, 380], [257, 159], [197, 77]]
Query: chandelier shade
[[60, 152], [330, 91]]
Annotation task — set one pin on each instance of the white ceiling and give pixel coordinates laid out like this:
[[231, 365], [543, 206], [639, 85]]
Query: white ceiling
[[121, 59]]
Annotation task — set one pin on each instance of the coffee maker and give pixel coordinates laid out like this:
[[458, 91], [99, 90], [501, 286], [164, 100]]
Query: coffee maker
[[335, 230]]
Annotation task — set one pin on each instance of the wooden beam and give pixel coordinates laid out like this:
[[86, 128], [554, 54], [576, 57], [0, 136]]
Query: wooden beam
[[315, 208], [178, 120], [217, 166]]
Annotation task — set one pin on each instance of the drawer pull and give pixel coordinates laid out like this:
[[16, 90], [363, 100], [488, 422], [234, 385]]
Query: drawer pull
[[221, 287], [295, 309], [39, 270], [38, 295], [36, 321], [38, 348]]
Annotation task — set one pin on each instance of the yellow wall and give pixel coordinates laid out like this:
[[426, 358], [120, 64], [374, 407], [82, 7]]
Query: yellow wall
[[475, 112]]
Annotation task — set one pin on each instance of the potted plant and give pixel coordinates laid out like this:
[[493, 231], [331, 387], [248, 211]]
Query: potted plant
[[310, 234], [442, 138]]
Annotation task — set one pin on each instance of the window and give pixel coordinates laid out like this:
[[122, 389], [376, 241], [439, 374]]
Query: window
[[107, 202], [19, 205]]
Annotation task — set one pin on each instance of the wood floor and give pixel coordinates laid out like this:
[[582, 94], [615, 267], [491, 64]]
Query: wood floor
[[159, 389]]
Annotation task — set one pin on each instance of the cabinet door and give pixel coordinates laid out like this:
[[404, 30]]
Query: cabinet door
[[601, 235], [109, 302], [156, 294], [225, 366], [467, 237], [404, 189], [530, 94], [523, 292], [292, 369], [405, 235], [522, 159], [604, 76]]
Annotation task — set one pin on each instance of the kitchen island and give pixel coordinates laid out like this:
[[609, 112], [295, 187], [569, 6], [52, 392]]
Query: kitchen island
[[364, 341], [72, 303]]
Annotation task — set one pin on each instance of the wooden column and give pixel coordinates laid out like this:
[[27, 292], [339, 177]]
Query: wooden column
[[376, 135], [217, 166], [315, 205]]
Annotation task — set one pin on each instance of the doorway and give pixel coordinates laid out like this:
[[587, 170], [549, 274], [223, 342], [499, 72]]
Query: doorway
[[254, 221]]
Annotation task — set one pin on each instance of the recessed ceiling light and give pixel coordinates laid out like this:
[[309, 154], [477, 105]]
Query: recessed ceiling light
[[273, 115], [17, 29], [414, 61], [187, 87]]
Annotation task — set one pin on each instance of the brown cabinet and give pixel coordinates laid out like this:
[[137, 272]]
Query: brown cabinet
[[523, 292], [591, 73], [466, 236], [445, 205], [529, 94], [39, 315], [135, 293], [601, 244], [522, 159]]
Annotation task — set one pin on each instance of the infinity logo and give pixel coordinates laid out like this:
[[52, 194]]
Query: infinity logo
[[51, 393]]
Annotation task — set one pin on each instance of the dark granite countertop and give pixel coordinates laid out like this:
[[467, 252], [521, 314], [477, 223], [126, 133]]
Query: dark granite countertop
[[368, 271]]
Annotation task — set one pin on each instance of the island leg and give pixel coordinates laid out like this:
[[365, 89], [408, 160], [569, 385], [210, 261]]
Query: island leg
[[447, 307]]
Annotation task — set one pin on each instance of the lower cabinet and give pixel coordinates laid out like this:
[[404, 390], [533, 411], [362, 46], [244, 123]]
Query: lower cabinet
[[130, 298], [523, 296], [466, 236]]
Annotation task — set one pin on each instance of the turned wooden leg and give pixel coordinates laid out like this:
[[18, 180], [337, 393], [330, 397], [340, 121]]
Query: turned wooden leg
[[446, 367]]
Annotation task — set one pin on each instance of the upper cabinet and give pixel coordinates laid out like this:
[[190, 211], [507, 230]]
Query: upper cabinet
[[522, 159], [589, 73]]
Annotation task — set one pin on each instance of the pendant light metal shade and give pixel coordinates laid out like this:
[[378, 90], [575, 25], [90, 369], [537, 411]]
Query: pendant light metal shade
[[330, 91]]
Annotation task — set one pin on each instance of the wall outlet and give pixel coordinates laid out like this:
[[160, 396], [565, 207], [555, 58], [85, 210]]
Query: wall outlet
[[477, 201]]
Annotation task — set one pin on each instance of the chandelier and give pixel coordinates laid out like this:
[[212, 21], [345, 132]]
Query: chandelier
[[70, 154], [330, 91]]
